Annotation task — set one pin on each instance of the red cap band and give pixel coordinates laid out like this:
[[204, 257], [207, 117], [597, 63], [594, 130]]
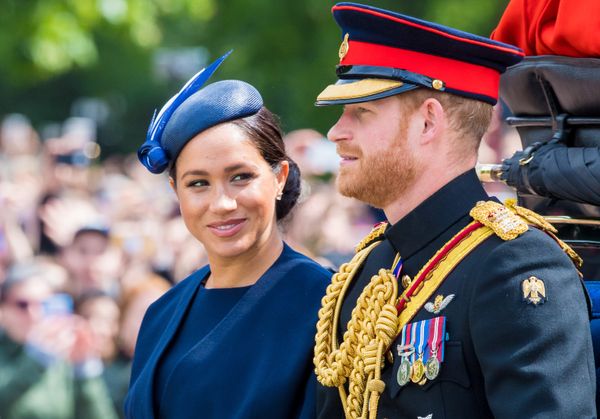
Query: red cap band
[[457, 75]]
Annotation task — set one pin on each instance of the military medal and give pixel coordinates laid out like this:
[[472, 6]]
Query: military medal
[[417, 371], [404, 370], [418, 367], [421, 351], [436, 331], [404, 350], [432, 368]]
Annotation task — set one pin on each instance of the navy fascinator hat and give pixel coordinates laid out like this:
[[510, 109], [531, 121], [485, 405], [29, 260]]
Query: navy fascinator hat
[[193, 110]]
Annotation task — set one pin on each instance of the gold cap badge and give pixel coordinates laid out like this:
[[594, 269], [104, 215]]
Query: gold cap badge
[[344, 47], [534, 291]]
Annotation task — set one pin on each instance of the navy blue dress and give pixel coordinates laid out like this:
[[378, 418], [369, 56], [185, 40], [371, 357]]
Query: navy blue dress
[[251, 359]]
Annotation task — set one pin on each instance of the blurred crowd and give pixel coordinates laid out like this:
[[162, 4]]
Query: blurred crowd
[[88, 242]]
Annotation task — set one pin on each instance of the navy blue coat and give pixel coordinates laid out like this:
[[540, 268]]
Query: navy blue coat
[[255, 363]]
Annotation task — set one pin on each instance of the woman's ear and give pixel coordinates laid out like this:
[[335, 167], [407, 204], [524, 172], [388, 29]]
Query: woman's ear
[[282, 173], [173, 184]]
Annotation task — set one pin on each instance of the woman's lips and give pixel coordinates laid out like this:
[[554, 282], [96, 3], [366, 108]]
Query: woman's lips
[[227, 228]]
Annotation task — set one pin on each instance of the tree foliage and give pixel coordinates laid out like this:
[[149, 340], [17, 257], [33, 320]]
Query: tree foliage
[[56, 52]]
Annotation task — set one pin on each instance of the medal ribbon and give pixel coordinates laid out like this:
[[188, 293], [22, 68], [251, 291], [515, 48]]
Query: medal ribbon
[[422, 338], [434, 337], [397, 266], [403, 338], [441, 337], [413, 337]]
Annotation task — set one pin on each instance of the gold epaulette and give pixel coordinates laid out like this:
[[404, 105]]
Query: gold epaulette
[[504, 223], [375, 235], [539, 222], [509, 221], [529, 216]]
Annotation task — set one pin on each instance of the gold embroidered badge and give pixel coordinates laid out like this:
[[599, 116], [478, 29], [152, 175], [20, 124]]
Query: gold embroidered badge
[[344, 47], [375, 234], [501, 220], [534, 291]]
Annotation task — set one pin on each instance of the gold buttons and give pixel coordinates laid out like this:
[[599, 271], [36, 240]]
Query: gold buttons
[[406, 280], [437, 84]]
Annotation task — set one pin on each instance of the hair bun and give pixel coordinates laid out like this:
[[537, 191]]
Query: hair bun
[[291, 191]]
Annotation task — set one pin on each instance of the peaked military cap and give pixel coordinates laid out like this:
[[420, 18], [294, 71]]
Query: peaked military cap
[[192, 110], [384, 53]]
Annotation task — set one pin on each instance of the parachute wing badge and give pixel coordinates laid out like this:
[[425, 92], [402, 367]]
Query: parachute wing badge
[[534, 291], [439, 303]]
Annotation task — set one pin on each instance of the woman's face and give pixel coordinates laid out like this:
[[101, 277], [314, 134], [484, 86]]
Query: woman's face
[[227, 191]]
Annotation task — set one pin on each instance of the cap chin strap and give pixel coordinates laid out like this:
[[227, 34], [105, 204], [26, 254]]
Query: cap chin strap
[[370, 71]]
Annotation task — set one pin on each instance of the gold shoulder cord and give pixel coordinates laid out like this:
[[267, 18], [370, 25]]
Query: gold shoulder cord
[[371, 330], [375, 321]]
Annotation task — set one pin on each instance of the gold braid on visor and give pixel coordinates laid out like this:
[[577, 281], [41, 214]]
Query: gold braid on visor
[[358, 89]]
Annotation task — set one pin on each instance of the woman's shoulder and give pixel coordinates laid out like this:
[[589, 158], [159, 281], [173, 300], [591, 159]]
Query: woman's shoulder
[[302, 265], [160, 311], [183, 287]]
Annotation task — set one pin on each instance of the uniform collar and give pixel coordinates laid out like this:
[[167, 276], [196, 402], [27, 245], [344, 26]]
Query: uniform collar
[[436, 214]]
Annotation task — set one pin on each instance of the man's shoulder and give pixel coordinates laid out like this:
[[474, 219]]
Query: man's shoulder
[[528, 272], [532, 244], [520, 234]]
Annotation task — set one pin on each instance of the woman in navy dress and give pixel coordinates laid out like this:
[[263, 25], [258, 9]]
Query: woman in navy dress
[[235, 338]]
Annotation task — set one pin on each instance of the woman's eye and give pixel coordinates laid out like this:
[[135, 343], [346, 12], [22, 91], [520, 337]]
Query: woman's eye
[[198, 183], [241, 177]]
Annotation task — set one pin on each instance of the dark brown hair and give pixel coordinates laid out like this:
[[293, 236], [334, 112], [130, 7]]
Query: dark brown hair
[[264, 131]]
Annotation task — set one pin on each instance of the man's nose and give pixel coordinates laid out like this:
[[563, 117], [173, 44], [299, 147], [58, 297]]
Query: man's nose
[[340, 130]]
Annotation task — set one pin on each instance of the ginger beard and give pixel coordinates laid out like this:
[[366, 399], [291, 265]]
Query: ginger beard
[[379, 178]]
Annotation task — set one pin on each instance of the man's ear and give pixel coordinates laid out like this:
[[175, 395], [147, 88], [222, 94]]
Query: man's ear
[[434, 120]]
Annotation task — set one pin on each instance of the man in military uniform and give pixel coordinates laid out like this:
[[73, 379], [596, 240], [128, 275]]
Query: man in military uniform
[[461, 307]]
